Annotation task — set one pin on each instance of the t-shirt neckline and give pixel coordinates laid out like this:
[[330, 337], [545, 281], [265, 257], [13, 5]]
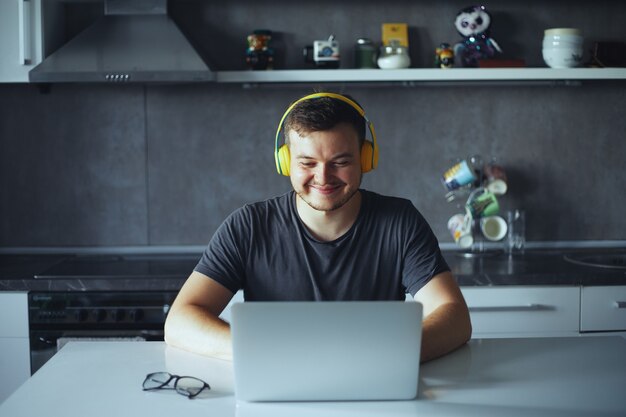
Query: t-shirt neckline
[[365, 200]]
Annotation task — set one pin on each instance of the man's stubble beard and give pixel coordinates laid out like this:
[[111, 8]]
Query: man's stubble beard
[[336, 206]]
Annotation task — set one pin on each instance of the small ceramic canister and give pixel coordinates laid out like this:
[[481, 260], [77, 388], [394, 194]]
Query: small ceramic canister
[[562, 47]]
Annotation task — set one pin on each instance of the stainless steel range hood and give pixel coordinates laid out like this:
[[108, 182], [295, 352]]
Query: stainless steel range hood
[[135, 41]]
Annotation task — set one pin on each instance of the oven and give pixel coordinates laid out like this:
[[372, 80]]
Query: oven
[[103, 298], [56, 318]]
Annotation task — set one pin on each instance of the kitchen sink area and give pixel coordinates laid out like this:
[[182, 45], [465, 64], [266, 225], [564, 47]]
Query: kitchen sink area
[[567, 266]]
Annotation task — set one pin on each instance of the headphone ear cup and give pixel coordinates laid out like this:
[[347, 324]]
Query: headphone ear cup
[[284, 160], [367, 153]]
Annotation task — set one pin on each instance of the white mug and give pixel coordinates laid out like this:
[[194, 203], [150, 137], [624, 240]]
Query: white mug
[[493, 227], [459, 226]]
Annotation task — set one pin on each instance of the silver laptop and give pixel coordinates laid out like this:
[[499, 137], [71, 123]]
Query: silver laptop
[[326, 351]]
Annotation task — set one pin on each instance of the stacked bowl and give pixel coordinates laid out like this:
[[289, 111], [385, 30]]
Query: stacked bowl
[[562, 47]]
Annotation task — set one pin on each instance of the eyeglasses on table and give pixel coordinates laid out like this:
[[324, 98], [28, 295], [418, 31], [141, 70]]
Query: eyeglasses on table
[[188, 386]]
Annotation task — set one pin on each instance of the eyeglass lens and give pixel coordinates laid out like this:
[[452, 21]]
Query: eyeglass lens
[[190, 386], [157, 380]]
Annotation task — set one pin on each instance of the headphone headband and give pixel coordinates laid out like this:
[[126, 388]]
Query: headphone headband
[[336, 96]]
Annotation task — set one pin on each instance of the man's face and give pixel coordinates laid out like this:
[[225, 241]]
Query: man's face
[[325, 166]]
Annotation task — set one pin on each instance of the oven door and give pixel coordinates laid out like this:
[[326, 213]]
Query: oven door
[[58, 317], [46, 343]]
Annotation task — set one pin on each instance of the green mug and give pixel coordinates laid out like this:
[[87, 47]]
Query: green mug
[[483, 205]]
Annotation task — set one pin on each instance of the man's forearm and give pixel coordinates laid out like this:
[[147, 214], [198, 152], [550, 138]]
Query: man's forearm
[[194, 329], [444, 330]]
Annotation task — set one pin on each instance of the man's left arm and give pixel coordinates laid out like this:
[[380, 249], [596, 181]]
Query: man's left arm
[[447, 323]]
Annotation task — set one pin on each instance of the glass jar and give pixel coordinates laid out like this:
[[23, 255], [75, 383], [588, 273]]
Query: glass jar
[[364, 53]]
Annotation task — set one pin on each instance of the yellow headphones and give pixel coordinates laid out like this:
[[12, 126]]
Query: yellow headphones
[[369, 150]]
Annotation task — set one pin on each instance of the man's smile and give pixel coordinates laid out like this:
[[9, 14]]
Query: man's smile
[[326, 189]]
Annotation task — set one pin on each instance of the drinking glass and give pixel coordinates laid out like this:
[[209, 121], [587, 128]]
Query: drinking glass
[[516, 237]]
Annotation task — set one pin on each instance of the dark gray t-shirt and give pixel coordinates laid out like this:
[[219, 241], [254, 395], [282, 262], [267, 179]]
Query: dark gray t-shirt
[[265, 249]]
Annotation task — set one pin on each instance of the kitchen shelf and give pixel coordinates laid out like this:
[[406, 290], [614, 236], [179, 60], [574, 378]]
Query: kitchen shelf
[[419, 75]]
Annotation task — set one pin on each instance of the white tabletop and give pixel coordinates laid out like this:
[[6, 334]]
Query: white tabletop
[[489, 377]]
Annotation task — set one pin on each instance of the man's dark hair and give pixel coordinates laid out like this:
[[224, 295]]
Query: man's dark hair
[[323, 113]]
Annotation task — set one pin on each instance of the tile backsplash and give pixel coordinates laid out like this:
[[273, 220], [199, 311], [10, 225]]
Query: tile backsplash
[[163, 165]]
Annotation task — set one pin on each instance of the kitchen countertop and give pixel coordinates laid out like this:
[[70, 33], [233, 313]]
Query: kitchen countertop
[[163, 272], [534, 267], [490, 377], [537, 267]]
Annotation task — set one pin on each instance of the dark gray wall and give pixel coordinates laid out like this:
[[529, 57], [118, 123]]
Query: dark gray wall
[[117, 165]]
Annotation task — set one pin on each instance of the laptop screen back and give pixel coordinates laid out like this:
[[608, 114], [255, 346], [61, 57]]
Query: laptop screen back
[[326, 351]]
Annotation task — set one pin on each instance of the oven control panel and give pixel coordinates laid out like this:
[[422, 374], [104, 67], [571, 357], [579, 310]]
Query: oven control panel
[[99, 309]]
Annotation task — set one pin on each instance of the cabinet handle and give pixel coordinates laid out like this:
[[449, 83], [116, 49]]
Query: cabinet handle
[[620, 304], [25, 10], [527, 307]]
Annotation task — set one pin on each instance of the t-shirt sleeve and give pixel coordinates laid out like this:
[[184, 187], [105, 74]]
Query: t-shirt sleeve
[[422, 255], [222, 260]]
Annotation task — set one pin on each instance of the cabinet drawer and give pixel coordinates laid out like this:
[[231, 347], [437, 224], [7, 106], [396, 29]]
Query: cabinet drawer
[[603, 308], [524, 311], [14, 314]]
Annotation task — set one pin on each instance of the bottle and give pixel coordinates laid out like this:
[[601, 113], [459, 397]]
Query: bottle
[[364, 53]]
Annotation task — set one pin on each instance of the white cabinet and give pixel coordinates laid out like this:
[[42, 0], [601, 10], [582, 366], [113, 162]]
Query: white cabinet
[[21, 39], [14, 346], [603, 309], [523, 311]]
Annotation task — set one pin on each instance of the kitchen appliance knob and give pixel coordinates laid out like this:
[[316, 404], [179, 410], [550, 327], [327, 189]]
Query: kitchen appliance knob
[[135, 314], [98, 314], [117, 315], [80, 315]]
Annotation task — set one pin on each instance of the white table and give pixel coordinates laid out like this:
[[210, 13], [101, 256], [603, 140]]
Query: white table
[[492, 377]]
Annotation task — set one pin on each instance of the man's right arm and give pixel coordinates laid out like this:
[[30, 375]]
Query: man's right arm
[[193, 322]]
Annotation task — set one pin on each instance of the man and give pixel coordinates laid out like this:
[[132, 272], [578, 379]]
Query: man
[[325, 240]]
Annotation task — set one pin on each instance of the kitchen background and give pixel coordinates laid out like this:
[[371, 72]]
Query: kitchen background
[[136, 165]]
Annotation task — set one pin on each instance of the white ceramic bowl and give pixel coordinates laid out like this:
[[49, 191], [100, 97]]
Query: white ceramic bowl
[[562, 57], [394, 61]]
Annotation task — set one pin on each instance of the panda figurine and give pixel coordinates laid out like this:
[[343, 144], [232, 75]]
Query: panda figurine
[[473, 24]]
